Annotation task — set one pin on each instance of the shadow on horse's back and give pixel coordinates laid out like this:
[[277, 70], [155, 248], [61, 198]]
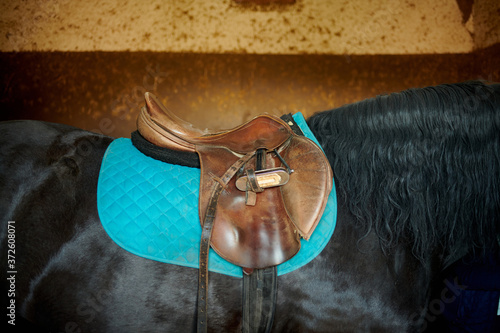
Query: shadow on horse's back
[[412, 170]]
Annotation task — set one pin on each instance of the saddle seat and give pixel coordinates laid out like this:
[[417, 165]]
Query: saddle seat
[[267, 232], [163, 128]]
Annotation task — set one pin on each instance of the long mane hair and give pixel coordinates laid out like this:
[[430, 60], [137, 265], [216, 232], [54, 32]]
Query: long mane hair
[[422, 165]]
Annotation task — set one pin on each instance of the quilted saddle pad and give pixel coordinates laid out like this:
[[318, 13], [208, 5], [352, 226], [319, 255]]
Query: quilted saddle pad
[[150, 208]]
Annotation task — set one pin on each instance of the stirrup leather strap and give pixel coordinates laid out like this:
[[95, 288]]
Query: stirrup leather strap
[[219, 185]]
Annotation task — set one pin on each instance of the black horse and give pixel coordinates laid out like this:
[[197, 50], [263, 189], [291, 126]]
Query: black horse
[[417, 179]]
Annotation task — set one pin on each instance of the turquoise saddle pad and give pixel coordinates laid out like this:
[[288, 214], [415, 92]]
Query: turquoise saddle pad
[[150, 208]]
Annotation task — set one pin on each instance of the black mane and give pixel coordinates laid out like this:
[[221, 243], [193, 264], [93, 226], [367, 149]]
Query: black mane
[[420, 165]]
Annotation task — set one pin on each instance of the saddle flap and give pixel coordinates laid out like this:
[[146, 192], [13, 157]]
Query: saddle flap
[[307, 191], [249, 236]]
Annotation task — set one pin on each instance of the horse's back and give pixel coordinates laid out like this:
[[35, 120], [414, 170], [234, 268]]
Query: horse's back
[[50, 160], [45, 194], [75, 278]]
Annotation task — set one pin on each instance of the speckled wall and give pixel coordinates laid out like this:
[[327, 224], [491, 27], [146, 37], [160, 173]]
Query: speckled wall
[[218, 63], [208, 26]]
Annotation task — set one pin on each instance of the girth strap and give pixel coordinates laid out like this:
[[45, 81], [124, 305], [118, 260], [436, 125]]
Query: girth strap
[[260, 291], [208, 223]]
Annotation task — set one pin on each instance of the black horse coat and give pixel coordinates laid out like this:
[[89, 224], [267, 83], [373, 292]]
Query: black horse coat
[[417, 177]]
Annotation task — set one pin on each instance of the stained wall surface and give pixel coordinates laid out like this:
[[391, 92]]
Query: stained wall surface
[[220, 26]]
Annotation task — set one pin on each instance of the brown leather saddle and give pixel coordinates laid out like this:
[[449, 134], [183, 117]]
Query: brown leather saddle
[[262, 187]]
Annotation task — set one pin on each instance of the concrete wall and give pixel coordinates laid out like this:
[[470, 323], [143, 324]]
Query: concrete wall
[[223, 26]]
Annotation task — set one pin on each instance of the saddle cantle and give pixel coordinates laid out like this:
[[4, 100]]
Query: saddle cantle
[[267, 233]]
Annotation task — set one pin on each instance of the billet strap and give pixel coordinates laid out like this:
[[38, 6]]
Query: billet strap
[[208, 223], [288, 118]]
